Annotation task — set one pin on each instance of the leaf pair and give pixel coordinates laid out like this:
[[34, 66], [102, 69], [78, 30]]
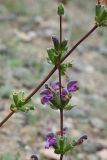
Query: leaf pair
[[58, 50], [19, 103]]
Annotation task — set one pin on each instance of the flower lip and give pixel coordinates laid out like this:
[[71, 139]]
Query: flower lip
[[46, 96], [50, 140], [55, 85], [72, 86], [45, 92]]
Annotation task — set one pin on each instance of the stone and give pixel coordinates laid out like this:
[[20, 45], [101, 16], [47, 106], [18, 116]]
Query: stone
[[49, 154], [103, 154], [97, 123], [92, 147], [3, 49], [76, 112], [21, 73], [103, 51], [93, 157]]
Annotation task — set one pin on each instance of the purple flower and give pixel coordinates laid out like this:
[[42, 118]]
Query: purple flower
[[55, 86], [50, 140], [64, 94], [46, 96], [72, 86]]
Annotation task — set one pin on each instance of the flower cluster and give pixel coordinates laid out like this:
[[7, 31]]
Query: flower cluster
[[50, 95], [62, 144]]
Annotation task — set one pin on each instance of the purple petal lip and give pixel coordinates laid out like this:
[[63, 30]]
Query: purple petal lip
[[45, 92], [72, 86], [46, 99], [55, 86], [50, 140], [64, 92], [46, 96]]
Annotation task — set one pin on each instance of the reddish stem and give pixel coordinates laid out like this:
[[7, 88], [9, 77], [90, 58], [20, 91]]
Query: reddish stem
[[6, 118]]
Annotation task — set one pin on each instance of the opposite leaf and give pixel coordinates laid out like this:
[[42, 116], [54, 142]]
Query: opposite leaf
[[19, 103]]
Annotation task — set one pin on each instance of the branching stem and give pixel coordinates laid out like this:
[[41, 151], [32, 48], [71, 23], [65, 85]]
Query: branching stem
[[52, 71]]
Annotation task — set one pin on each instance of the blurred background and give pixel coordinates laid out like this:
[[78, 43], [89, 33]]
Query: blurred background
[[26, 27]]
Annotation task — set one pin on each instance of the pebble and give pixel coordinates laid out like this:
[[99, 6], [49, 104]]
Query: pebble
[[97, 123], [103, 154], [93, 157], [3, 49], [49, 154], [92, 147], [103, 51], [76, 112], [20, 73]]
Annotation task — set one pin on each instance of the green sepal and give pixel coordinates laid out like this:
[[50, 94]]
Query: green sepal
[[56, 100], [68, 107], [61, 144], [64, 67], [63, 46], [60, 10], [67, 148]]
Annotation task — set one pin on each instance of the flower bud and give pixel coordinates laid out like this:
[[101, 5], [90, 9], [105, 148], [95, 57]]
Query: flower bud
[[60, 10]]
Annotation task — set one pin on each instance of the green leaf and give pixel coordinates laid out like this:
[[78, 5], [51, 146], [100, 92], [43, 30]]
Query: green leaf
[[19, 103], [52, 55], [64, 67]]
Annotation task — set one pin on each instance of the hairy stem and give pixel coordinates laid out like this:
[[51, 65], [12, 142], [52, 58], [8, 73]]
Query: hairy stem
[[6, 118], [61, 157], [59, 69], [54, 69]]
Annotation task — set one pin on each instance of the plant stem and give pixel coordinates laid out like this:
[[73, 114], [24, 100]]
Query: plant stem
[[59, 69], [6, 118], [54, 69], [61, 157]]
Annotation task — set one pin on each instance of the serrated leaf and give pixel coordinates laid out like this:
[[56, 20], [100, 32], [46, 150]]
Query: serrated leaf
[[52, 55]]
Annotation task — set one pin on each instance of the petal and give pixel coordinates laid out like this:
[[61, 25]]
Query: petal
[[55, 85], [50, 135], [47, 145], [46, 99], [72, 86], [45, 92], [64, 92]]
